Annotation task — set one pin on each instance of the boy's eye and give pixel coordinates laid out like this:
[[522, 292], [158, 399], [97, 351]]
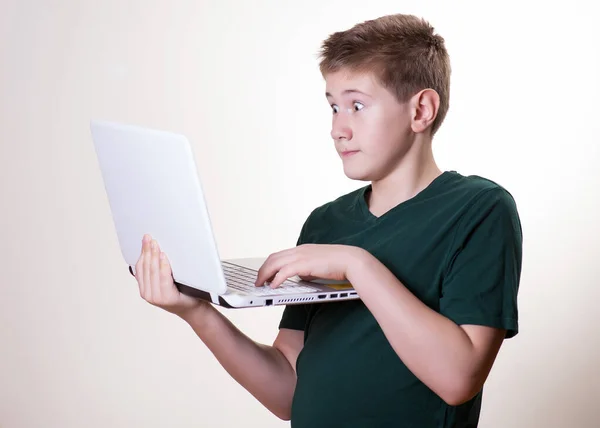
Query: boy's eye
[[356, 106]]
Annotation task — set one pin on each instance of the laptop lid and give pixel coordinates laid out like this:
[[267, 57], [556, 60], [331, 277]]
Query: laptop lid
[[152, 184]]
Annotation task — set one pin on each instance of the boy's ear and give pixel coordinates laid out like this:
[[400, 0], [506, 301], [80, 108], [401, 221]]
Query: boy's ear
[[424, 108]]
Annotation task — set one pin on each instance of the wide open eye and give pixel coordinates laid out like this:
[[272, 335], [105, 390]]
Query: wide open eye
[[358, 106], [335, 108]]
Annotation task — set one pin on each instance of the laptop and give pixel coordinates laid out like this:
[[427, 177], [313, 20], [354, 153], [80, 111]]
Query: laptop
[[153, 187]]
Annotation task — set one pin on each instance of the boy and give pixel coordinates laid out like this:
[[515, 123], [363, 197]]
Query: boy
[[435, 257]]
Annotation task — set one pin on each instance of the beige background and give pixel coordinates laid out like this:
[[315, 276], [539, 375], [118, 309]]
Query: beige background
[[78, 347]]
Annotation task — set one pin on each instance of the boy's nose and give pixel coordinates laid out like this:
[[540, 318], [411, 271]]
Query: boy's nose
[[339, 132]]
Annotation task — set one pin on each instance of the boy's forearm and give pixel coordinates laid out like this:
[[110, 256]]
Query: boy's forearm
[[434, 348], [261, 369]]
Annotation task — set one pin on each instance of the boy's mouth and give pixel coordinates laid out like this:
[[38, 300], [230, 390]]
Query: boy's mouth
[[347, 153]]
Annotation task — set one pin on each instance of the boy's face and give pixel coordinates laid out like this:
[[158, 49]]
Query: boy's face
[[370, 128]]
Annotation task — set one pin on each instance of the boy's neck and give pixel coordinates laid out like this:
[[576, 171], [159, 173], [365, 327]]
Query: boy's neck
[[413, 174]]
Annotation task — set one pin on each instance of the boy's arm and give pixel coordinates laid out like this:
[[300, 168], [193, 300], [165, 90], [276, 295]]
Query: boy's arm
[[452, 351], [266, 372], [454, 361]]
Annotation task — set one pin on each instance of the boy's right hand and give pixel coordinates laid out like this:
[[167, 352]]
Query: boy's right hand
[[155, 281]]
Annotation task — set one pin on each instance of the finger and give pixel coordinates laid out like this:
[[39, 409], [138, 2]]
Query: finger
[[155, 271], [266, 271], [263, 275], [301, 267], [271, 266], [166, 276], [166, 280], [138, 270], [285, 273], [138, 274], [146, 269]]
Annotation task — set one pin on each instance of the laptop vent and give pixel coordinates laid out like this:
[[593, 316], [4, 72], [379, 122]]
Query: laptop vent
[[297, 299]]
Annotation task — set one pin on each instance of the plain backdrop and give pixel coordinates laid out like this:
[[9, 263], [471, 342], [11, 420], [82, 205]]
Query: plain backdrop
[[78, 346]]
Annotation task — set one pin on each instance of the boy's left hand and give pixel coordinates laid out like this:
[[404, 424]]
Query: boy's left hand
[[308, 261]]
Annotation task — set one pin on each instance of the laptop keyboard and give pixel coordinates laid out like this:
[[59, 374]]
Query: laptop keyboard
[[242, 279]]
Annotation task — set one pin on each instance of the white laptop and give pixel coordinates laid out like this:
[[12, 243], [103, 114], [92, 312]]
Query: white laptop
[[152, 185]]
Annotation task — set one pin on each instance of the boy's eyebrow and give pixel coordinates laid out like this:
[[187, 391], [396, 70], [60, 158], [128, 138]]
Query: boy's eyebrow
[[348, 91]]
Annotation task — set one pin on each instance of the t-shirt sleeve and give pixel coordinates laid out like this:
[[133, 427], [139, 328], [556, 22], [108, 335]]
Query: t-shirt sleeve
[[294, 317], [482, 280]]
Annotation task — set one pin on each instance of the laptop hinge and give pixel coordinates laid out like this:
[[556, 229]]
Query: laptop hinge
[[215, 298]]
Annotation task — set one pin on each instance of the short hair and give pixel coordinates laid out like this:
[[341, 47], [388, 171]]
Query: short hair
[[402, 51]]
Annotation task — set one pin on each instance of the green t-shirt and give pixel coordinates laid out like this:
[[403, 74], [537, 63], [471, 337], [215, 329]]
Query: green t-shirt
[[457, 246]]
